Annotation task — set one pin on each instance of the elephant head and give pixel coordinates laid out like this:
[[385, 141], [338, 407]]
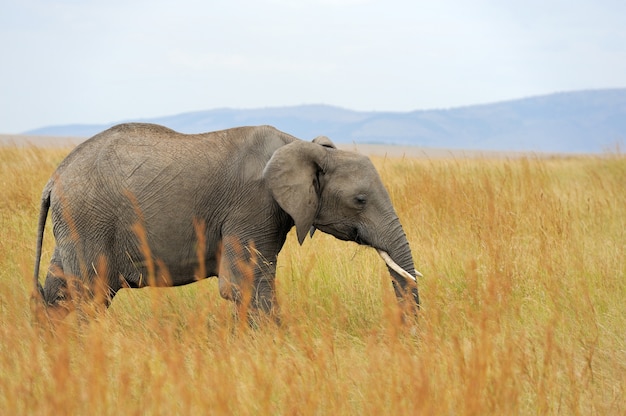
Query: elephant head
[[341, 193]]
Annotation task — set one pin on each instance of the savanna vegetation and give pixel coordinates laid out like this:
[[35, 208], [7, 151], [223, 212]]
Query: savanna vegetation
[[524, 308]]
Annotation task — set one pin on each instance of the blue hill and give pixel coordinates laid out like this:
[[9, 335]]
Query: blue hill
[[584, 121]]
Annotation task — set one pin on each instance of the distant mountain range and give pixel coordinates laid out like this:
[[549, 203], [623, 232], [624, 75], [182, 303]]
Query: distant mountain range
[[583, 121]]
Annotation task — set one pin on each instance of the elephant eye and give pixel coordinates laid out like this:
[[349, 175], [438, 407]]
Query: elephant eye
[[360, 200]]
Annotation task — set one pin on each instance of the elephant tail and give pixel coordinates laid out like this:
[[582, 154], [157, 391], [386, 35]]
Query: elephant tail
[[41, 225]]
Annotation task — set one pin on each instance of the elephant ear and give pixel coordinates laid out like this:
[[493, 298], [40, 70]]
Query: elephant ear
[[292, 177], [324, 141]]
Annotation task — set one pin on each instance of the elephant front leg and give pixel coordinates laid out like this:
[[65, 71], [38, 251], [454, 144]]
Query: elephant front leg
[[264, 299], [246, 277]]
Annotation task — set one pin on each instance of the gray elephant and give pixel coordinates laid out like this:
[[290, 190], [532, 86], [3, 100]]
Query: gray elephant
[[142, 205]]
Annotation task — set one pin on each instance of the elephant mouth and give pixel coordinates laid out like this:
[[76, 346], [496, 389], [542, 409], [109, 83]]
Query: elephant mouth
[[359, 239], [354, 235], [343, 233]]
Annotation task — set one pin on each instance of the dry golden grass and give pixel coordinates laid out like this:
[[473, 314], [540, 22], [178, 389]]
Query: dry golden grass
[[523, 309]]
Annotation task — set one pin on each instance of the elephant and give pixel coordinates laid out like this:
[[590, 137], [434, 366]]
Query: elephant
[[142, 205]]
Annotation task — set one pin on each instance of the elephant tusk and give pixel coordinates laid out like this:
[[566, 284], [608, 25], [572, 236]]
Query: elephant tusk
[[394, 266]]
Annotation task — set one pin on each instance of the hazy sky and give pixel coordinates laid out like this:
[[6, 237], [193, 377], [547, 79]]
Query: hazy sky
[[83, 61]]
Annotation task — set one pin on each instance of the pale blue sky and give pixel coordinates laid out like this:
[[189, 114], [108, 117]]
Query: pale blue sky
[[83, 61]]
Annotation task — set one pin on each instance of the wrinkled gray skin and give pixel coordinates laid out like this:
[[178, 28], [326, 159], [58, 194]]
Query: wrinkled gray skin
[[240, 189]]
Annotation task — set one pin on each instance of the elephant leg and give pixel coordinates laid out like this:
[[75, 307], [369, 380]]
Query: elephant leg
[[56, 292], [264, 299], [247, 278], [66, 289]]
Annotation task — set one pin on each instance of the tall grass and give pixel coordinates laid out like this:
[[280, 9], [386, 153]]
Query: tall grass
[[523, 308]]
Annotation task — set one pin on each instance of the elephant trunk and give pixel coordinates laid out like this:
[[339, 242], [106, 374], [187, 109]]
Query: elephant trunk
[[397, 255]]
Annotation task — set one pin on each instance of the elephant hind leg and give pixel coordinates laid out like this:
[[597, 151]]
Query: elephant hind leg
[[64, 292], [64, 295], [57, 299]]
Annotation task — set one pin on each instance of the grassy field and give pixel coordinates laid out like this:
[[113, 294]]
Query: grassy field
[[524, 309]]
